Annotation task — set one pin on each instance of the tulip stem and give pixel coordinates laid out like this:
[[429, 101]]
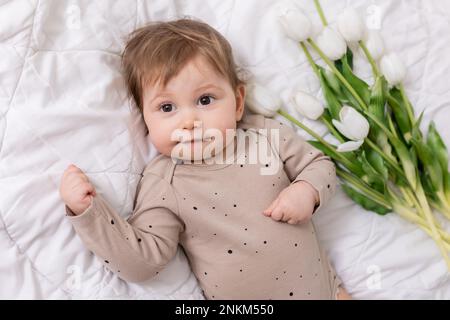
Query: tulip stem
[[330, 127], [409, 109], [362, 186], [336, 154], [372, 62], [391, 125], [426, 221], [425, 228], [405, 213], [402, 153], [429, 218], [301, 125], [410, 194], [388, 133], [414, 218], [410, 199], [445, 210], [442, 208], [419, 217], [388, 159], [338, 74], [310, 59], [320, 11]]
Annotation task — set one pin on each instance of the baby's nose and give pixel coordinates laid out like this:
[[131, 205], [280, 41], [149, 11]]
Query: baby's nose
[[190, 124]]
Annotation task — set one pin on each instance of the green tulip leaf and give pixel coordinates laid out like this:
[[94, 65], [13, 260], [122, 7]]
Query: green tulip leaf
[[406, 160], [364, 201], [414, 156], [348, 57], [373, 177], [355, 166], [349, 99], [398, 108], [428, 187], [360, 86], [333, 103], [382, 141], [377, 163], [436, 143], [429, 162], [377, 98], [447, 184], [332, 81]]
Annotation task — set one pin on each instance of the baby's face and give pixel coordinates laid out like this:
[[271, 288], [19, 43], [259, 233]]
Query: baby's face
[[197, 97]]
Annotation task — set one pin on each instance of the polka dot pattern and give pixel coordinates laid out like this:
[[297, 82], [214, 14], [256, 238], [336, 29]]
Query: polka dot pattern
[[224, 228]]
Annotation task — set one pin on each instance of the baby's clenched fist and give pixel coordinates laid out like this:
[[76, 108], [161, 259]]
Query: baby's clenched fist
[[295, 204], [76, 190]]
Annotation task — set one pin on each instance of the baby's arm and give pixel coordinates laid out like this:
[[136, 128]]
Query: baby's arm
[[312, 176], [136, 249]]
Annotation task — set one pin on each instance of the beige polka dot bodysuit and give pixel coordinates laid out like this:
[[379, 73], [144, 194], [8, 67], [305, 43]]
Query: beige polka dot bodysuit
[[214, 211]]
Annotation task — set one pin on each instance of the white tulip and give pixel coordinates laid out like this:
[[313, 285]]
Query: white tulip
[[349, 146], [350, 25], [352, 124], [375, 44], [308, 105], [296, 24], [392, 68], [331, 43], [261, 101]]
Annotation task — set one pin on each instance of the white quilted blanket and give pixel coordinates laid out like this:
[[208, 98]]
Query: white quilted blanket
[[62, 101]]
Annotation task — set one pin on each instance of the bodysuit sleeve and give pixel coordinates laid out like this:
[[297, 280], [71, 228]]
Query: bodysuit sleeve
[[303, 162], [138, 248]]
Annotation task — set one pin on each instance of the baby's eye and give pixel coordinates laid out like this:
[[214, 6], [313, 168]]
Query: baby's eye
[[205, 100], [167, 107]]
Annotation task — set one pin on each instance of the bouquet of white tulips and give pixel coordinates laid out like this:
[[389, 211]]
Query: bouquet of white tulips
[[385, 162]]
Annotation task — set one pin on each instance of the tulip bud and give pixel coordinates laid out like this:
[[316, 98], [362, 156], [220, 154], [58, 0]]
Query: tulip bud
[[375, 44], [308, 105], [331, 43], [352, 124], [349, 146], [296, 24], [392, 68], [261, 101], [350, 25]]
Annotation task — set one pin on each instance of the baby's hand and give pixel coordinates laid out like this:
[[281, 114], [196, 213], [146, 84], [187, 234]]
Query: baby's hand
[[76, 190], [295, 204]]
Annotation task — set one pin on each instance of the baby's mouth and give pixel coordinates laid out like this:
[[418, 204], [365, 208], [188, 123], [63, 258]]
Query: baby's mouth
[[208, 139], [205, 139]]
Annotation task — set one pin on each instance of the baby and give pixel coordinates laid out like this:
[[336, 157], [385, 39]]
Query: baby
[[247, 232]]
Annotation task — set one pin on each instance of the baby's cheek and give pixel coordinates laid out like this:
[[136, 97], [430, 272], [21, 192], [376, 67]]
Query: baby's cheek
[[162, 143], [165, 148]]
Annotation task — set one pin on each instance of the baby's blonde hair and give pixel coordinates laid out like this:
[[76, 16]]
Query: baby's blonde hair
[[158, 51]]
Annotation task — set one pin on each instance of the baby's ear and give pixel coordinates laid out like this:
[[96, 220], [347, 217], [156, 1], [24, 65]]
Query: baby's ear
[[240, 101]]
